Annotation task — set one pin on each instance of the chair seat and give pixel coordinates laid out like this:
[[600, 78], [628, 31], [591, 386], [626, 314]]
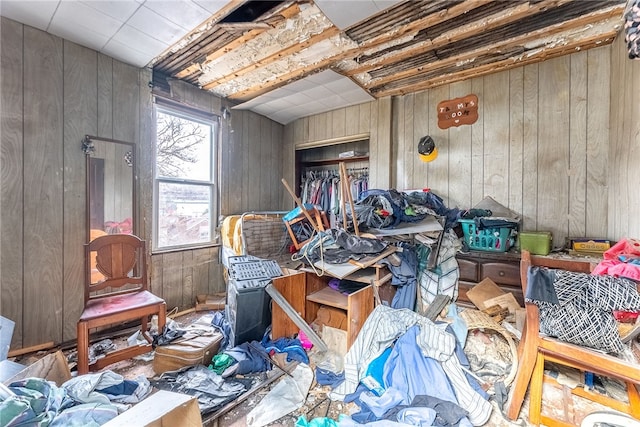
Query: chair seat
[[111, 305]]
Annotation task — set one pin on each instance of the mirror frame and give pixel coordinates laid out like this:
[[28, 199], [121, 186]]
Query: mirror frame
[[89, 148]]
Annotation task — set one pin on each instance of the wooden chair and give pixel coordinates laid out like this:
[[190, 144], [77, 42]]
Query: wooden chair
[[534, 350], [121, 259]]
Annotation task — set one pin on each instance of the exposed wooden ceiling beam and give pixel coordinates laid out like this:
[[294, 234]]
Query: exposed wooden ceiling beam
[[609, 16], [281, 80], [530, 57], [287, 13], [504, 17], [290, 50]]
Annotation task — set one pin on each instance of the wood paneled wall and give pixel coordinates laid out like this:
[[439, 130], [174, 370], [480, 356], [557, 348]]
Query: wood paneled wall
[[52, 93], [541, 145], [623, 171]]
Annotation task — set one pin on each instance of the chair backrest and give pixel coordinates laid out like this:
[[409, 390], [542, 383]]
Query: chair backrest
[[121, 260]]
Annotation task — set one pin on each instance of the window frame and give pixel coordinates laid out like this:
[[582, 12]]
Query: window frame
[[212, 120]]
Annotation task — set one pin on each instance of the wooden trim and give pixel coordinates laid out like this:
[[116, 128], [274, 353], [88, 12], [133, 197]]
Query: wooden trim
[[332, 141]]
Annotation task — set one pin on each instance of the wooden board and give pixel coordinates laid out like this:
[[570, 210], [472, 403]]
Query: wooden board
[[11, 158], [80, 112], [43, 177]]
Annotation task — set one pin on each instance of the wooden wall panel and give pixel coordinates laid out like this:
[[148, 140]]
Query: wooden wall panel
[[496, 138], [553, 147], [516, 135], [530, 149], [477, 145], [540, 145], [80, 119], [459, 153], [623, 173], [11, 180], [43, 187], [597, 152], [578, 151], [438, 169]]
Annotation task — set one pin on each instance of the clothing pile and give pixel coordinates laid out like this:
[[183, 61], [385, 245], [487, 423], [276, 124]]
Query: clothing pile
[[87, 400], [400, 364]]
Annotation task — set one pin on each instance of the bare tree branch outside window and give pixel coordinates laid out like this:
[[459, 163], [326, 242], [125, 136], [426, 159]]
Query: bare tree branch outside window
[[177, 144]]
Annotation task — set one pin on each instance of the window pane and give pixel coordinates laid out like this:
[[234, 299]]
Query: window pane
[[184, 214], [183, 148]]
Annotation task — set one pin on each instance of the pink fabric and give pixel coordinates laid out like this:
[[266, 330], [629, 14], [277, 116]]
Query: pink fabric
[[306, 343], [612, 265]]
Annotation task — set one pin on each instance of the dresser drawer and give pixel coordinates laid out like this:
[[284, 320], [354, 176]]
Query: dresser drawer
[[502, 273], [468, 270]]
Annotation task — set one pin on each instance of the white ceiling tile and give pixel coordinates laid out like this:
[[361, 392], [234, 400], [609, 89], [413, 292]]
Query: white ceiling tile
[[125, 53], [385, 4], [184, 13], [345, 13], [323, 77], [78, 14], [37, 14], [120, 10], [139, 41], [79, 34], [212, 5], [150, 23], [341, 85]]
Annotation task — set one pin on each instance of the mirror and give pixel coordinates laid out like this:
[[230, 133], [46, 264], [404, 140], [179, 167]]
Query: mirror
[[110, 186]]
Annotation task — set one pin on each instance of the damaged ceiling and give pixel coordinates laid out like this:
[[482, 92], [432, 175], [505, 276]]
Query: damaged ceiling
[[249, 49]]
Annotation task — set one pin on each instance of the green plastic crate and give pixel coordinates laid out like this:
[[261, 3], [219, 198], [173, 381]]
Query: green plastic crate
[[496, 239]]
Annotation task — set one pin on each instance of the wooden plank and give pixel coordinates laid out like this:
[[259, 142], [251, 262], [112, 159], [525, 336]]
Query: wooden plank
[[460, 154], [172, 279], [126, 93], [200, 271], [633, 111], [216, 272], [597, 131], [398, 175], [43, 206], [383, 148], [11, 190], [105, 96], [496, 138], [530, 149], [351, 120], [265, 166], [553, 149], [410, 151], [246, 161], [360, 305], [188, 294], [144, 162], [339, 123], [438, 169], [293, 289], [578, 144], [477, 144], [154, 271], [80, 118], [422, 114], [516, 131]]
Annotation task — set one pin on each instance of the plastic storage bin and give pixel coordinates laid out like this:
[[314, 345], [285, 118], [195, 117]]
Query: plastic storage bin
[[536, 242], [488, 239]]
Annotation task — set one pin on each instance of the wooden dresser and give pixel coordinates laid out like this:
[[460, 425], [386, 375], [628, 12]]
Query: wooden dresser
[[501, 267]]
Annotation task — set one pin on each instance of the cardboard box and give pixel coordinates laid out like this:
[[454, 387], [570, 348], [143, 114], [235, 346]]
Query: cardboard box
[[483, 291], [52, 367], [161, 409]]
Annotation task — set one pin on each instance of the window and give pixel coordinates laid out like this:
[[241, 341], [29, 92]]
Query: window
[[184, 185]]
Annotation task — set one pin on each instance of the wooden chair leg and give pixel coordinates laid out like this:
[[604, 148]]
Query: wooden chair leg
[[526, 363], [162, 317], [634, 400], [535, 391], [83, 348]]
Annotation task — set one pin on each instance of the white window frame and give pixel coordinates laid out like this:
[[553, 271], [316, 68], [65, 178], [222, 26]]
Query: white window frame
[[209, 120]]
